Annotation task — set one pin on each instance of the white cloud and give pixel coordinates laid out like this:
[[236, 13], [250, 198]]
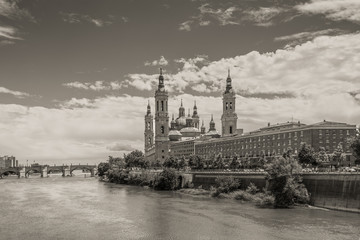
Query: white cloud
[[161, 62], [79, 18], [11, 10], [263, 16], [336, 10], [185, 26], [298, 38], [96, 86], [15, 93], [9, 33]]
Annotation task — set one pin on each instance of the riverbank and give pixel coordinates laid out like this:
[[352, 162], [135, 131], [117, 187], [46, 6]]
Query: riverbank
[[260, 199]]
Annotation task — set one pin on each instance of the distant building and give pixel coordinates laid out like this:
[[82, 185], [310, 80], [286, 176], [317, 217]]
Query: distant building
[[184, 136], [7, 162]]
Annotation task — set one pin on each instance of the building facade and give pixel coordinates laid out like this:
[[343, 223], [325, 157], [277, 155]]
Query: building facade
[[185, 137]]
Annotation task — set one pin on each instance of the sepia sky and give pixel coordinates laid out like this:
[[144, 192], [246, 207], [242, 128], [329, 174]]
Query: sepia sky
[[75, 76]]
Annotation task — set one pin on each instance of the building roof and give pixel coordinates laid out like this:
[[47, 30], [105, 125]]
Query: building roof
[[189, 130]]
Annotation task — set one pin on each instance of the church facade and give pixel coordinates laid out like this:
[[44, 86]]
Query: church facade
[[183, 136]]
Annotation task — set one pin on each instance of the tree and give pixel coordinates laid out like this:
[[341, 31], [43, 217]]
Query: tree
[[285, 181], [103, 167], [234, 163], [306, 154], [170, 162], [136, 158], [355, 147], [116, 162], [338, 157], [182, 163], [321, 156], [196, 162], [166, 180], [219, 162]]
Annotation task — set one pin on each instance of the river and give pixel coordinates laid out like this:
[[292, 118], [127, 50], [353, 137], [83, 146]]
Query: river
[[85, 208]]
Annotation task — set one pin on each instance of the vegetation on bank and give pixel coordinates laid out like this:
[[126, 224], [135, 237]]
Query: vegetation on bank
[[283, 174]]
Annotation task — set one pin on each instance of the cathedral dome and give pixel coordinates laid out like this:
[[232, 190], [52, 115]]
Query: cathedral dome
[[190, 132], [174, 135], [181, 121]]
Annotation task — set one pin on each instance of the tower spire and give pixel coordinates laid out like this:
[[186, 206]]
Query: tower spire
[[161, 80]]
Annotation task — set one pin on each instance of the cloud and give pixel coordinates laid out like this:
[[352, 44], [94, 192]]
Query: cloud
[[11, 10], [9, 33], [298, 38], [161, 62], [120, 147], [96, 86], [77, 130], [79, 18], [336, 10], [263, 16], [14, 93], [185, 26]]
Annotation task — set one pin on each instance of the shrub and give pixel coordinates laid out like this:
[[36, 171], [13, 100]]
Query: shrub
[[117, 176], [264, 200], [166, 180], [252, 189], [243, 195], [227, 184]]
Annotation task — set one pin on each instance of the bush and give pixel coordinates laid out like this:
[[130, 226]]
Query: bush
[[166, 180], [243, 195], [118, 176], [227, 184], [264, 200], [252, 189]]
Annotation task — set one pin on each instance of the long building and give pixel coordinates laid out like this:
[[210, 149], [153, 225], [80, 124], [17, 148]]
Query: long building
[[183, 136]]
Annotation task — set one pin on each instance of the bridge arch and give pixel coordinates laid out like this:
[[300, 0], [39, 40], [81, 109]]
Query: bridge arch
[[3, 172], [33, 170]]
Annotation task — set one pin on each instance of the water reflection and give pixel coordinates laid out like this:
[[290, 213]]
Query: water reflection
[[83, 208]]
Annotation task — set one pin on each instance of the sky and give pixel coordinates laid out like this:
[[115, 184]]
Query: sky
[[76, 76]]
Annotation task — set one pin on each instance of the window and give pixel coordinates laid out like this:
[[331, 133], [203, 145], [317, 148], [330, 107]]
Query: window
[[162, 129], [230, 105], [148, 125], [157, 105], [162, 106], [230, 130], [226, 106]]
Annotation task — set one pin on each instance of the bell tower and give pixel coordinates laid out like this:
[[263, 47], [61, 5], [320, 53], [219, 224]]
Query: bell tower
[[161, 121], [229, 117], [149, 129]]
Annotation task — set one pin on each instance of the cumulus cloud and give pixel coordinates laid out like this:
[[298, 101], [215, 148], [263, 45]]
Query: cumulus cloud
[[14, 93], [161, 62], [77, 130], [10, 9], [79, 18], [9, 33], [96, 86], [336, 10], [263, 16], [298, 38]]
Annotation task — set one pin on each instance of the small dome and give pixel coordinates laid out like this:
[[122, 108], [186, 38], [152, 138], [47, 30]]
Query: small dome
[[189, 130], [212, 133], [181, 121], [174, 135]]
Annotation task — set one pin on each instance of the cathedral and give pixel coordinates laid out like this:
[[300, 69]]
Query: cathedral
[[183, 128]]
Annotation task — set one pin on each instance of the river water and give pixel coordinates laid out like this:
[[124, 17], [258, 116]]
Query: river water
[[85, 208]]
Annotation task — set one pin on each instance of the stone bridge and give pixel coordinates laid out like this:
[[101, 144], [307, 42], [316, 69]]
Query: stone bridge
[[45, 170]]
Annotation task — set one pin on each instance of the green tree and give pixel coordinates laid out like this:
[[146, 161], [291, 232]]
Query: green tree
[[116, 162], [306, 154]]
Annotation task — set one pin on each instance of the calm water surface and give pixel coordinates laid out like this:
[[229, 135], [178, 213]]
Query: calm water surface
[[84, 208]]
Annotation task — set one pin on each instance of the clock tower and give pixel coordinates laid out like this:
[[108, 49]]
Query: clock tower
[[229, 117], [161, 121]]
